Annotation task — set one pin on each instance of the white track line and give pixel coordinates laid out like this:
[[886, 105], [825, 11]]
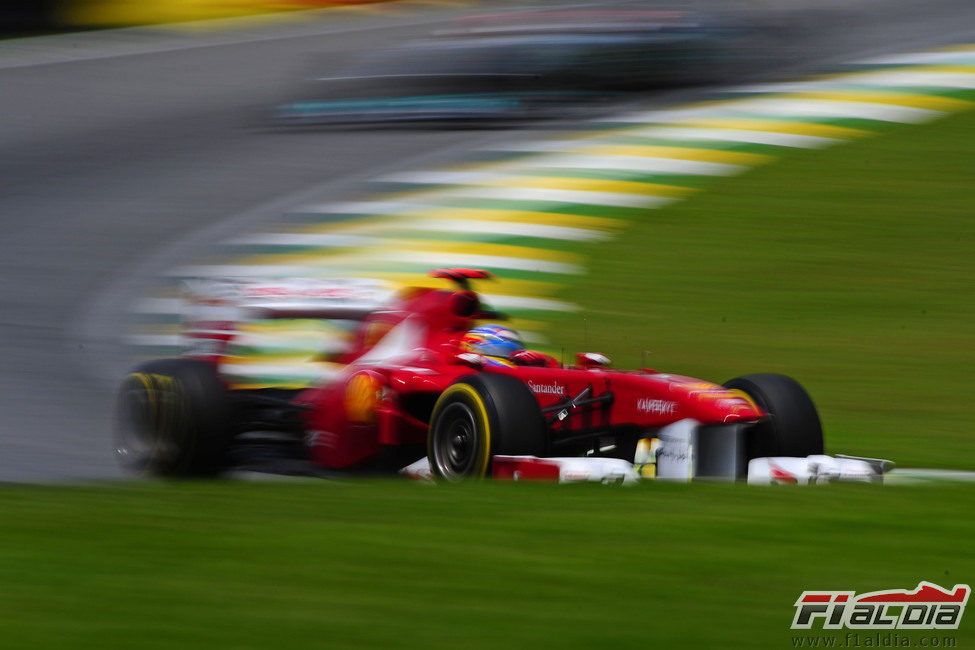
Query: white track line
[[472, 226], [436, 259], [587, 197], [427, 257], [794, 107], [735, 135], [636, 164], [513, 228], [882, 78], [363, 207], [918, 474], [543, 146], [317, 240], [445, 177], [918, 58]]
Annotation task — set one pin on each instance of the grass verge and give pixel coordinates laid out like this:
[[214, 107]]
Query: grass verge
[[389, 565]]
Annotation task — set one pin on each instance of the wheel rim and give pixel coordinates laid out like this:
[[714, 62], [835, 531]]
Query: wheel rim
[[134, 435], [455, 449]]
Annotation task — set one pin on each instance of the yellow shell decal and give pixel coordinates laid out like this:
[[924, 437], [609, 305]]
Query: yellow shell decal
[[745, 396], [362, 395]]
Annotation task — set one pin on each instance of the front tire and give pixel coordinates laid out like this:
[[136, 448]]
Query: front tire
[[793, 427], [480, 416], [173, 418]]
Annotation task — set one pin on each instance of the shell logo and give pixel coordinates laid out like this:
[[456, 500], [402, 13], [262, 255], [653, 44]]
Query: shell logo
[[362, 395]]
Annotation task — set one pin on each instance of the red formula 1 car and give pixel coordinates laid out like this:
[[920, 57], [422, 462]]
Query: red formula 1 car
[[413, 385]]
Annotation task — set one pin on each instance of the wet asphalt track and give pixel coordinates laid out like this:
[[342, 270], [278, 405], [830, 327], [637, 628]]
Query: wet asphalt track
[[116, 157]]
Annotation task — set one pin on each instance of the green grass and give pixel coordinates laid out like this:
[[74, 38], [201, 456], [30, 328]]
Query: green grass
[[394, 565], [850, 268]]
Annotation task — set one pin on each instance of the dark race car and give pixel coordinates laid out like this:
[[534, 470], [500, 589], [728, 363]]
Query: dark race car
[[424, 378], [520, 65]]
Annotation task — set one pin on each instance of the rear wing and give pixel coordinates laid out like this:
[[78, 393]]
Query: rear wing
[[213, 310]]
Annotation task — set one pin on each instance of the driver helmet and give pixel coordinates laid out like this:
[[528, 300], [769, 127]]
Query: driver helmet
[[492, 341]]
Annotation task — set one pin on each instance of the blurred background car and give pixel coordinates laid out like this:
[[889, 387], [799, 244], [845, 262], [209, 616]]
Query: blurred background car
[[526, 64]]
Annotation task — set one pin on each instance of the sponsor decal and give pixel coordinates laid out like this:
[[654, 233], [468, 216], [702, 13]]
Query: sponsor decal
[[779, 475], [546, 389], [674, 452], [362, 395], [929, 607], [645, 459], [656, 406]]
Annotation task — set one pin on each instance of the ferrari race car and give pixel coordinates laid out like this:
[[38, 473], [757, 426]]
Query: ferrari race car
[[424, 385]]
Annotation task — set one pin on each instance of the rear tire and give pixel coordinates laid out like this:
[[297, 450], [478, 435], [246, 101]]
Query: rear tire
[[480, 416], [793, 427], [173, 418]]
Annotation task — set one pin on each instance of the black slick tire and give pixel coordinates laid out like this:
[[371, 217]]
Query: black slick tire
[[173, 417], [478, 417], [793, 427]]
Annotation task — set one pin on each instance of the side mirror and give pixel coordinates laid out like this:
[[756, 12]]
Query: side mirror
[[589, 360], [471, 359]]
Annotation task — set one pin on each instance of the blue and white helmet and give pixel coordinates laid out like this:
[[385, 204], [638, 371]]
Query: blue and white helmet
[[492, 341]]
